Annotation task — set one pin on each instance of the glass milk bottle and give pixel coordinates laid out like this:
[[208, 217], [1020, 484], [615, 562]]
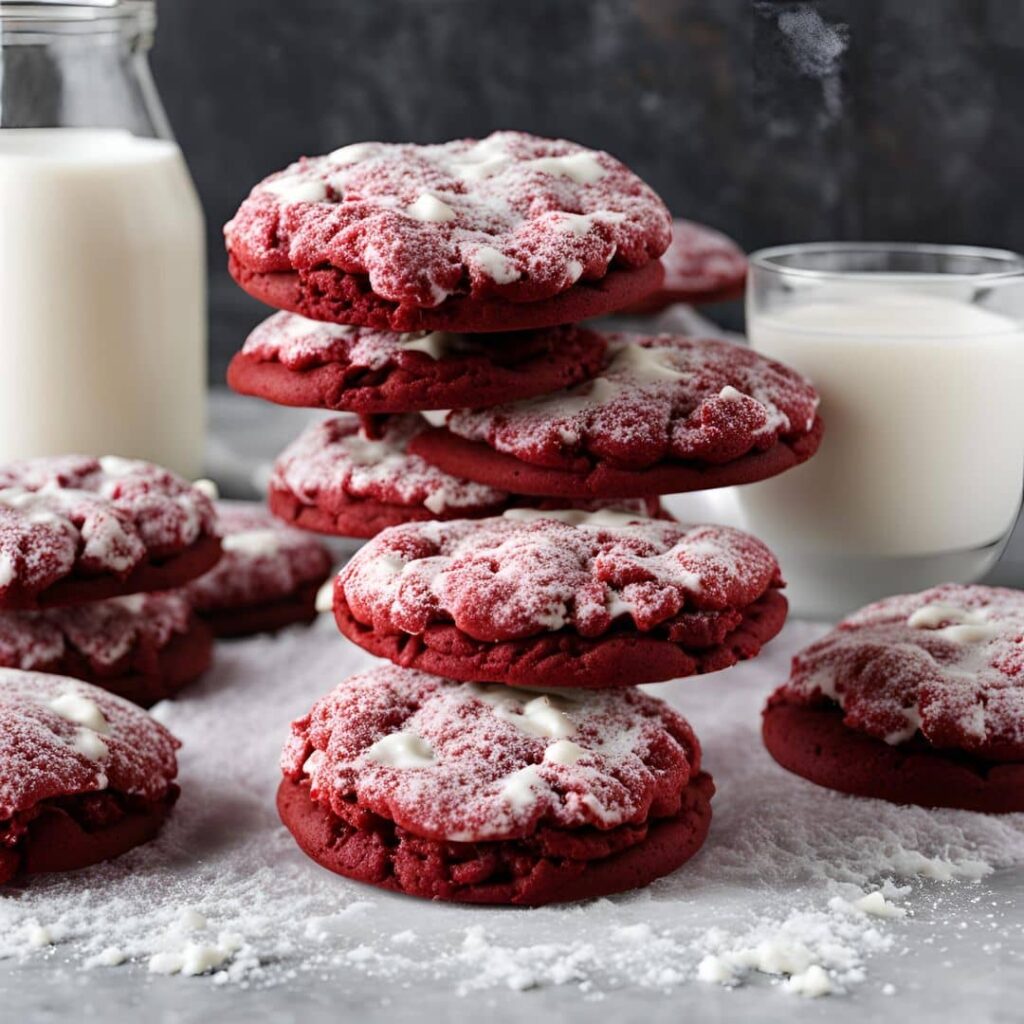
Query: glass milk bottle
[[918, 354], [102, 260]]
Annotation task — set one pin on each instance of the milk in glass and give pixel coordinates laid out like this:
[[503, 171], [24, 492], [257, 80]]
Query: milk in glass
[[919, 475]]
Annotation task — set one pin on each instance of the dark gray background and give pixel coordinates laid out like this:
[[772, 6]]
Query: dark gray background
[[898, 119]]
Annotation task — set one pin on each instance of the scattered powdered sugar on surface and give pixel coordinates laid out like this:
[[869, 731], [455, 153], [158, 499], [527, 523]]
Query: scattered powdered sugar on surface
[[468, 762], [263, 558], [511, 213], [103, 515], [518, 576], [333, 461], [779, 886], [659, 397], [701, 259], [778, 892], [103, 631], [948, 661]]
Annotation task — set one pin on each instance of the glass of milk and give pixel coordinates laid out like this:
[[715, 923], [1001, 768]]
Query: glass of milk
[[102, 257], [918, 354]]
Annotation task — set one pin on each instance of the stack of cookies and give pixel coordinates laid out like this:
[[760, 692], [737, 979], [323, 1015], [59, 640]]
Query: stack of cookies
[[120, 573], [90, 553], [506, 463], [115, 577]]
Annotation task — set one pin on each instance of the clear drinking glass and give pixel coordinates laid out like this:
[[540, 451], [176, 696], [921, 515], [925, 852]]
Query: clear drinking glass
[[102, 251], [79, 65], [918, 354]]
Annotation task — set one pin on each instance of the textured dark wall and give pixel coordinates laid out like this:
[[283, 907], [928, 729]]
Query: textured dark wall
[[773, 121]]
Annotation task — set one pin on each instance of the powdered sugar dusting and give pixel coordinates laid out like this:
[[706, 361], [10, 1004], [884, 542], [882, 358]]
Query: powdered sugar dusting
[[446, 761], [263, 559], [74, 512], [658, 398], [779, 852], [300, 343], [948, 661], [500, 579], [43, 754], [333, 461], [422, 221], [103, 632]]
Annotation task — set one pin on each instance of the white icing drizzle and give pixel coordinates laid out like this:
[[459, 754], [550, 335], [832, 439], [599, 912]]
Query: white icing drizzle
[[386, 566], [730, 394], [207, 487], [583, 168], [969, 634], [964, 625], [486, 157], [912, 720], [495, 264], [534, 715], [114, 465], [293, 326], [436, 344], [430, 209], [564, 752], [599, 810], [325, 597], [617, 605], [294, 188], [353, 153], [579, 224], [92, 726], [90, 744], [402, 750], [931, 616], [519, 790], [646, 364], [435, 417], [73, 707]]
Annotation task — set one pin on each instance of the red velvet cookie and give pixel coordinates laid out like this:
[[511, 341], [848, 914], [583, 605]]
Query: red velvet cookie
[[84, 775], [481, 794], [76, 529], [268, 577], [701, 265], [915, 699], [556, 599], [143, 647], [668, 414], [334, 479], [507, 233], [294, 361]]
